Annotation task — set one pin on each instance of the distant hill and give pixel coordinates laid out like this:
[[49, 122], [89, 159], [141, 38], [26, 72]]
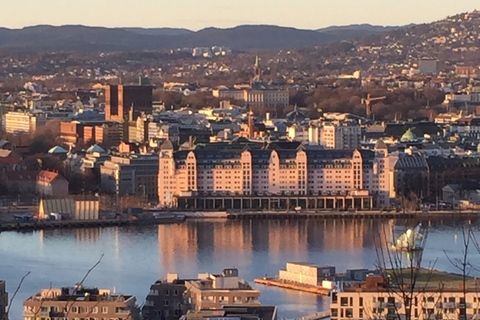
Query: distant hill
[[358, 27], [160, 31], [246, 37]]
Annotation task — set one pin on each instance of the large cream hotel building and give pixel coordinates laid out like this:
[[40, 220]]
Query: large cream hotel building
[[221, 178]]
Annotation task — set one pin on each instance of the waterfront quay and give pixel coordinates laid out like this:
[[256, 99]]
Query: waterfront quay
[[70, 224], [286, 215]]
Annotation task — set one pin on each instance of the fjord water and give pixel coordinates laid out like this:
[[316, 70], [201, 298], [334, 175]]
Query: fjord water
[[134, 257]]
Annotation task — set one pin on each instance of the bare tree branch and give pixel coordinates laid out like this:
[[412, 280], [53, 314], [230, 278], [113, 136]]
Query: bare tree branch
[[14, 294]]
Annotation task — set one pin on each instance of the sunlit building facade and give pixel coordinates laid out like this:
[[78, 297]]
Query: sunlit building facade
[[273, 179]]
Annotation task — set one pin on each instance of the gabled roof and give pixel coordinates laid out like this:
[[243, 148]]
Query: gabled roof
[[49, 176], [95, 148], [57, 149]]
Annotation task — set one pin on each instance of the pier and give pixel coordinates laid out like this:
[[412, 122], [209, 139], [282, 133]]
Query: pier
[[70, 224], [293, 285]]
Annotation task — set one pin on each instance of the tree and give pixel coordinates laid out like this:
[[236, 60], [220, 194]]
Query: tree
[[401, 262]]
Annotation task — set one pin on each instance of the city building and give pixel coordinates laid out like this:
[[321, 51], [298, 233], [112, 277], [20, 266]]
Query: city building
[[336, 135], [212, 291], [51, 184], [16, 122], [76, 208], [376, 299], [3, 300], [165, 299], [79, 302], [108, 135], [258, 95], [215, 178], [236, 313], [307, 273], [121, 100], [132, 174]]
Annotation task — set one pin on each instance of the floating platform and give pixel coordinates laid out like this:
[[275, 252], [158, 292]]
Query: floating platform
[[293, 286]]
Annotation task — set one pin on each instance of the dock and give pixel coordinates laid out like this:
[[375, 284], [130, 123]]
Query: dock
[[71, 224], [293, 286]]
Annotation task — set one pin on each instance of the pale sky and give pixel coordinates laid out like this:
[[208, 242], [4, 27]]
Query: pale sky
[[198, 14]]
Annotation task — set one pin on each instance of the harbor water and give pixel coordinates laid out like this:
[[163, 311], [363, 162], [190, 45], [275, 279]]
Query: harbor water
[[134, 257]]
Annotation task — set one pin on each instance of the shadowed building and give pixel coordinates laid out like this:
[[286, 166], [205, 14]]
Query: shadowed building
[[79, 302], [120, 99], [3, 300], [164, 302]]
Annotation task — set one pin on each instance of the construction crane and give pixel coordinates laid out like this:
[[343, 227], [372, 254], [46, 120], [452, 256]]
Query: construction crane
[[368, 103]]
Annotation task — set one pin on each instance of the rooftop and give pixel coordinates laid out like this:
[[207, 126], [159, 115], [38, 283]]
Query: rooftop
[[78, 293]]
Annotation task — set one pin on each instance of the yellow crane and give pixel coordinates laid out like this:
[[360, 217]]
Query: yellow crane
[[368, 103]]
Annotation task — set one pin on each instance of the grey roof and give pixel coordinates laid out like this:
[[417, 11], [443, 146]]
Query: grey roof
[[415, 161], [167, 145]]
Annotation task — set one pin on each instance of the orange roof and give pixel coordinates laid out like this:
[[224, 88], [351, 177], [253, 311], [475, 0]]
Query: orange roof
[[48, 176]]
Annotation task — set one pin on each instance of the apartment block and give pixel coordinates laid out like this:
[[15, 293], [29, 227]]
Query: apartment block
[[273, 179], [133, 174], [165, 299], [16, 122], [375, 299], [335, 135], [79, 302], [212, 291]]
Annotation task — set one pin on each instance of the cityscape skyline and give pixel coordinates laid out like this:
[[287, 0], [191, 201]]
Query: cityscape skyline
[[196, 15]]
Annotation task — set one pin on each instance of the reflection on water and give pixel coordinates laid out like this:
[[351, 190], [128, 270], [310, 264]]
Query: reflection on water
[[134, 257]]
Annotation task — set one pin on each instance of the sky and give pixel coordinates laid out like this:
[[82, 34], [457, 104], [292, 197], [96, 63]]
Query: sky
[[198, 14]]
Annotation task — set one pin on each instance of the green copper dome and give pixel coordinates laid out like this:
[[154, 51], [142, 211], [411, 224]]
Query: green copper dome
[[408, 136]]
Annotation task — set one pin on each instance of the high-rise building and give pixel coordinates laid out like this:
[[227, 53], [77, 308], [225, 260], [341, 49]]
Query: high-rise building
[[120, 100], [79, 302], [26, 122]]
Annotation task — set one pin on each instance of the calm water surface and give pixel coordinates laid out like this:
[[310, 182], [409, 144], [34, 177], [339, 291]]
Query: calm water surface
[[135, 257]]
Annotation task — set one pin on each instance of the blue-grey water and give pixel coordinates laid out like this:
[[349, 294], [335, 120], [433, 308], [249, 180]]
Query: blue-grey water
[[135, 257]]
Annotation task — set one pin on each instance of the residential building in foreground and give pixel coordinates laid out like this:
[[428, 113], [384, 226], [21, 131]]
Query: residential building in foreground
[[236, 313], [215, 178], [79, 302], [212, 291], [3, 300], [165, 299], [377, 299]]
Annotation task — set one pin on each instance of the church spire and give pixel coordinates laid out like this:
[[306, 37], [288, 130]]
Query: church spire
[[257, 71]]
